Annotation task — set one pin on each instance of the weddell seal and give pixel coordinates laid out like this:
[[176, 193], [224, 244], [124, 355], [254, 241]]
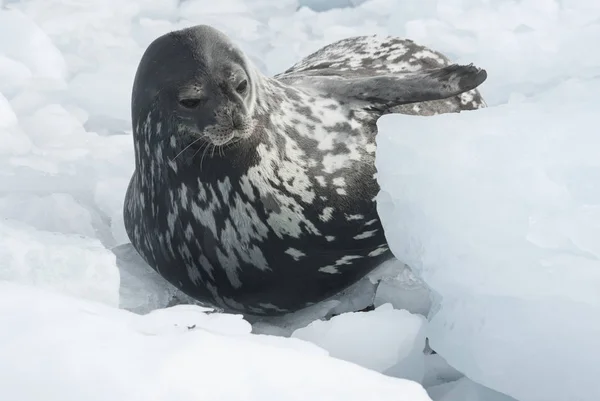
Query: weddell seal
[[256, 194]]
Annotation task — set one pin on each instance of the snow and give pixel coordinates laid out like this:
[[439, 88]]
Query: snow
[[494, 215], [77, 350]]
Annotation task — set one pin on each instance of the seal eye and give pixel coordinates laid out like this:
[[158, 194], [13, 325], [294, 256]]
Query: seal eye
[[241, 88], [190, 103]]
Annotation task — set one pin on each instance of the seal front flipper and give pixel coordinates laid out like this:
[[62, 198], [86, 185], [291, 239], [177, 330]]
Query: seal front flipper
[[387, 91]]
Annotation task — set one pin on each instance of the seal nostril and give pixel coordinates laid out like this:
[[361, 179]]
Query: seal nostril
[[242, 86], [237, 120]]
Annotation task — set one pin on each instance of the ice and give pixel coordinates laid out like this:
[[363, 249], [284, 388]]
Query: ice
[[69, 217], [465, 390], [32, 46], [142, 290], [498, 211], [14, 142], [494, 215], [386, 340], [400, 287], [438, 373], [391, 283], [325, 5], [68, 349], [68, 263]]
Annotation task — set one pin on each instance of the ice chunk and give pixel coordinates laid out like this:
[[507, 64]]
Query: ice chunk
[[397, 285], [22, 40], [465, 390], [143, 289], [385, 339], [13, 75], [106, 91], [54, 127], [8, 118], [438, 371], [67, 263], [57, 212], [109, 196], [498, 211], [14, 140], [325, 5], [28, 101], [71, 350]]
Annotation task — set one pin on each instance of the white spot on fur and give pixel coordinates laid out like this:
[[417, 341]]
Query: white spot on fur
[[467, 97], [295, 253], [290, 219], [366, 234], [326, 214], [171, 217], [333, 163], [173, 165], [224, 187], [329, 269], [183, 198], [339, 181], [347, 260], [426, 53], [379, 251]]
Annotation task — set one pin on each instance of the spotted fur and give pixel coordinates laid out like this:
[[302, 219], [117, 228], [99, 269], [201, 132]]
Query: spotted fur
[[285, 217], [378, 55]]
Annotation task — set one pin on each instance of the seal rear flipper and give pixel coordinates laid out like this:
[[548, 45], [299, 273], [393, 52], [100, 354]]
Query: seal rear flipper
[[384, 92]]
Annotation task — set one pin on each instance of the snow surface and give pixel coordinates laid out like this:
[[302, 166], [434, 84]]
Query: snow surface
[[496, 210], [61, 349]]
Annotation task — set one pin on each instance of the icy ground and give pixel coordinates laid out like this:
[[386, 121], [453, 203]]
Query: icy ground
[[498, 211]]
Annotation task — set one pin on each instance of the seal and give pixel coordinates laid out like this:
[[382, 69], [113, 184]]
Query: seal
[[256, 194]]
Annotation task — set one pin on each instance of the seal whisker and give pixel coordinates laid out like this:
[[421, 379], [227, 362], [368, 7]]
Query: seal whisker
[[202, 146], [186, 148], [206, 148]]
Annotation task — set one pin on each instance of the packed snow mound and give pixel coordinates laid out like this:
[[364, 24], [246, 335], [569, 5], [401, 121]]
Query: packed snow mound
[[498, 211], [55, 348]]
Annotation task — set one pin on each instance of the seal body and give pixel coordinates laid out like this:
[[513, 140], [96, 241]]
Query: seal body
[[262, 200]]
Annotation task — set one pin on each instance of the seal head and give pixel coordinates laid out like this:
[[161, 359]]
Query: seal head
[[201, 81]]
